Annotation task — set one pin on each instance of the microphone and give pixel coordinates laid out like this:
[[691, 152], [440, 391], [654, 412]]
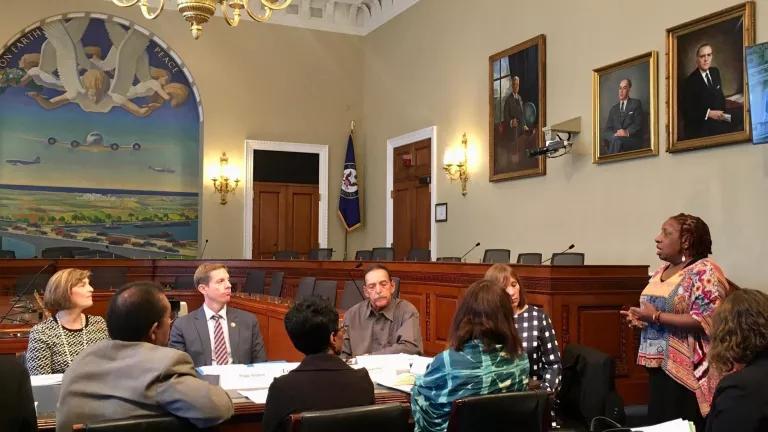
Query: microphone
[[26, 290], [470, 250], [202, 252], [566, 250], [354, 281]]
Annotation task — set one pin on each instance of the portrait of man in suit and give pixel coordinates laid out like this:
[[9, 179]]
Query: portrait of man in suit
[[623, 131], [704, 102]]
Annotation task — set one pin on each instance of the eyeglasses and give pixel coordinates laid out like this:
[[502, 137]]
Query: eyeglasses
[[371, 287]]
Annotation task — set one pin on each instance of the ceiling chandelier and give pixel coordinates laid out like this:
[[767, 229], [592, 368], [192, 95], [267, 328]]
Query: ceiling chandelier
[[198, 12]]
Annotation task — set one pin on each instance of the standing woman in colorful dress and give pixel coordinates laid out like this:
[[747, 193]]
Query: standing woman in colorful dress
[[55, 342], [675, 315]]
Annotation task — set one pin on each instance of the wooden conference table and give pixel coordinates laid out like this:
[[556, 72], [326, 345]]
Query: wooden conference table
[[582, 301]]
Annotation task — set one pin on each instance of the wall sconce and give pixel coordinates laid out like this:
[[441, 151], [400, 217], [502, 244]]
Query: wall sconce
[[222, 183], [455, 164]]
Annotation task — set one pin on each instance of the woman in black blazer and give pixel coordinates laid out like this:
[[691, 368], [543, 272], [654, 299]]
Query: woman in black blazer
[[740, 350]]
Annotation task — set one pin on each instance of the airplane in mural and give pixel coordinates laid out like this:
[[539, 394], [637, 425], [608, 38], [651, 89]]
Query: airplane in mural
[[162, 170], [93, 83], [96, 140], [22, 162]]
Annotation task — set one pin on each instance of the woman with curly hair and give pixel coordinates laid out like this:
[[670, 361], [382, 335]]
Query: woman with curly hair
[[675, 315], [740, 349]]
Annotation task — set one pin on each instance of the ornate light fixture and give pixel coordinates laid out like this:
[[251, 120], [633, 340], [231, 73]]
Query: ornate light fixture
[[222, 184], [198, 12], [455, 164]]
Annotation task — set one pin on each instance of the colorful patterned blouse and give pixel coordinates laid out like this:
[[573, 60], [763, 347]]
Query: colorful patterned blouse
[[696, 290], [457, 374]]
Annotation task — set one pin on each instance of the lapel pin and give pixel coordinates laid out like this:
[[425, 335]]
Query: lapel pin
[[232, 325]]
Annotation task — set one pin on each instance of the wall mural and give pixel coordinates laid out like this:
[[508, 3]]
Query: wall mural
[[100, 137]]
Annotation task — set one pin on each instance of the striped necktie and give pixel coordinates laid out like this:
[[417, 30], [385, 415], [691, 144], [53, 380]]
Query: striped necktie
[[219, 344]]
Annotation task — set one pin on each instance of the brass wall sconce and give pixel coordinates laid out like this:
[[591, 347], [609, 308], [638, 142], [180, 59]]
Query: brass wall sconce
[[455, 164], [222, 184]]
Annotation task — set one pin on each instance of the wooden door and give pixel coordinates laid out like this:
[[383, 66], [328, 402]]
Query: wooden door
[[285, 217], [411, 197]]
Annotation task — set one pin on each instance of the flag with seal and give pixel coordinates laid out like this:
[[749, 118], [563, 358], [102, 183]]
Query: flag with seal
[[349, 198]]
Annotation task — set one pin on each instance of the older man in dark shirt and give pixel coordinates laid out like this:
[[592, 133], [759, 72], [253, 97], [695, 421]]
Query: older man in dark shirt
[[381, 324]]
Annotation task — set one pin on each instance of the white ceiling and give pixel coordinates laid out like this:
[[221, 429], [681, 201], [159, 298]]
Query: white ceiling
[[357, 17]]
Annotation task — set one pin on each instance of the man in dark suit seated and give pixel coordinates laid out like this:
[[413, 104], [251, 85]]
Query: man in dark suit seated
[[704, 102], [17, 406], [214, 333], [624, 129], [322, 381], [135, 374]]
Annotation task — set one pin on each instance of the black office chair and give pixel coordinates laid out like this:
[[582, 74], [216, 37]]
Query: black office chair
[[521, 411], [108, 277], [363, 255], [322, 254], [496, 256], [61, 252], [383, 254], [327, 290], [391, 417], [140, 424], [449, 259], [7, 253], [417, 254], [184, 283], [529, 258], [396, 283], [254, 282], [28, 283], [276, 284], [306, 288], [567, 258], [352, 294], [285, 255]]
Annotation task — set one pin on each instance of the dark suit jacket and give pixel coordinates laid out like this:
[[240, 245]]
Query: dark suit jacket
[[17, 406], [741, 400], [320, 382], [513, 109], [190, 334], [631, 120], [697, 99]]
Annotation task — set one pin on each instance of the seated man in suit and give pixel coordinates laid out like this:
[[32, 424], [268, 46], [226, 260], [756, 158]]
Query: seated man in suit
[[214, 333], [313, 326], [381, 324], [623, 131], [135, 374]]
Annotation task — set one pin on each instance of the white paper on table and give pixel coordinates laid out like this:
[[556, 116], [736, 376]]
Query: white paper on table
[[255, 396], [678, 425], [44, 380], [419, 364]]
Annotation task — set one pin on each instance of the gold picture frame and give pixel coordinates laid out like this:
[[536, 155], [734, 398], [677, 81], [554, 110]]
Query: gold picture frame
[[709, 107], [516, 119], [625, 118]]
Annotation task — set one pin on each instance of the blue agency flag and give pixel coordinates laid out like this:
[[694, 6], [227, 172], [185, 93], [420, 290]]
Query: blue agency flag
[[349, 198]]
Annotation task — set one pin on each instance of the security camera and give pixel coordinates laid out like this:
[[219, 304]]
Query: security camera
[[558, 139]]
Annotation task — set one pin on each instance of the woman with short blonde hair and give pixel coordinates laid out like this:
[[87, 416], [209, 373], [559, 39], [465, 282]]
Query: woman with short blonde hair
[[55, 342]]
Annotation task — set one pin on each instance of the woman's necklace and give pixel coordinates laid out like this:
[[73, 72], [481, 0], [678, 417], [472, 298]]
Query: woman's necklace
[[64, 339]]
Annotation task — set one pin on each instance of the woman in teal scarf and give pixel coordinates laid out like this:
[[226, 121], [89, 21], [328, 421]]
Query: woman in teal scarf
[[485, 357]]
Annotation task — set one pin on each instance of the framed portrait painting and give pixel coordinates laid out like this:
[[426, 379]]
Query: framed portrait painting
[[625, 109], [517, 113], [706, 89]]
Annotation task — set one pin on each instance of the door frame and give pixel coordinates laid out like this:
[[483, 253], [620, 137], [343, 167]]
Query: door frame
[[409, 138], [322, 219]]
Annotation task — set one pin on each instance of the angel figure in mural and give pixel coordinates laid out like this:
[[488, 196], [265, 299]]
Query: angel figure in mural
[[94, 90]]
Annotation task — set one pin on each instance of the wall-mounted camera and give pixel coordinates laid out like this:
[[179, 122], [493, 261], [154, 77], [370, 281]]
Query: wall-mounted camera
[[558, 139]]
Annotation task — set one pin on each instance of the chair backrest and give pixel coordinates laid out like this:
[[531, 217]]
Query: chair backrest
[[7, 253], [396, 283], [321, 254], [521, 411], [184, 283], [26, 284], [285, 255], [567, 258], [363, 255], [417, 254], [372, 418], [254, 282], [276, 284], [449, 259], [327, 290], [352, 294], [108, 277], [530, 258], [139, 424], [61, 251], [496, 256], [383, 254], [306, 288]]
